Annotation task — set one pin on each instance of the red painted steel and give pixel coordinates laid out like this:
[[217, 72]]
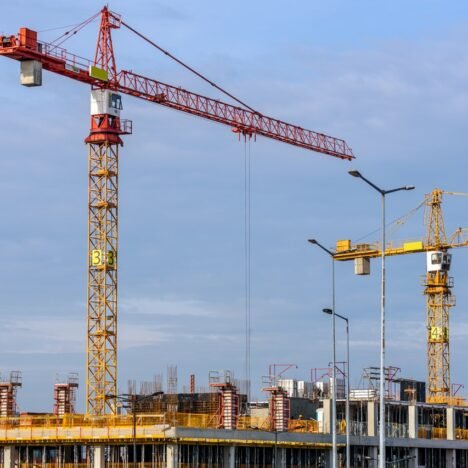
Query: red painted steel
[[104, 57], [243, 121]]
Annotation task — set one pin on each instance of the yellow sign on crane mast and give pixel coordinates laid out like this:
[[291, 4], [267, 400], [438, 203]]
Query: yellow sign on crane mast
[[437, 283]]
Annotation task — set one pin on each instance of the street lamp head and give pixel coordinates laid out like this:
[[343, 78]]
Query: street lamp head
[[410, 187], [312, 241], [354, 173], [327, 311]]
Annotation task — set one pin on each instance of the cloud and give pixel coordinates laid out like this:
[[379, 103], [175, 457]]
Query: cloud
[[173, 308]]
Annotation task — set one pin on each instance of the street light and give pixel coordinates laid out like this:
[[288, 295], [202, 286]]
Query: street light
[[133, 400], [330, 253], [382, 192], [348, 419]]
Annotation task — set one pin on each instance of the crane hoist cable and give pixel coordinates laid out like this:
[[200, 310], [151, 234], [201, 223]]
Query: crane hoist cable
[[247, 259]]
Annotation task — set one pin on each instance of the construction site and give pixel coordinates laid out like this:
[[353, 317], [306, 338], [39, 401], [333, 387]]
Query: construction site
[[213, 420]]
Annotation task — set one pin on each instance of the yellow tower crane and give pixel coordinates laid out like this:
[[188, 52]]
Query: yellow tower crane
[[437, 287]]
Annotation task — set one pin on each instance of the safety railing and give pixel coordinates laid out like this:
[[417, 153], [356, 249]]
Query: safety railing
[[439, 433], [82, 426], [430, 432], [396, 430], [461, 434]]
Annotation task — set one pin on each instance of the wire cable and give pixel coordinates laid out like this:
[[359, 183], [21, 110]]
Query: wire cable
[[70, 33], [204, 78], [247, 264], [397, 223], [58, 28]]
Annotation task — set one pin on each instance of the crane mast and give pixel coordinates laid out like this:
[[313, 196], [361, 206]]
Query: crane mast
[[103, 222], [439, 300], [104, 142]]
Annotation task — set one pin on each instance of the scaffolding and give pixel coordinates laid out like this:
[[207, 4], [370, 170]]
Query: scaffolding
[[65, 395], [278, 409], [172, 389], [8, 390], [228, 409], [372, 374]]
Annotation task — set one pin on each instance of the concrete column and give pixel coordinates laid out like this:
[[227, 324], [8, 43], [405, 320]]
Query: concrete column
[[281, 454], [374, 456], [229, 457], [172, 456], [414, 461], [451, 433], [328, 458], [451, 458], [371, 419], [327, 415], [412, 421], [10, 456], [99, 460]]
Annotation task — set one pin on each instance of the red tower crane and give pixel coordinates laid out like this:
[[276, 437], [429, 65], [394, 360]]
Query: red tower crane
[[104, 140]]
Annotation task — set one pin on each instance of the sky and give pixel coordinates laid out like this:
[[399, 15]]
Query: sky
[[388, 77]]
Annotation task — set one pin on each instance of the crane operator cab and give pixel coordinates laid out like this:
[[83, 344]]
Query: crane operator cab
[[105, 101], [438, 261]]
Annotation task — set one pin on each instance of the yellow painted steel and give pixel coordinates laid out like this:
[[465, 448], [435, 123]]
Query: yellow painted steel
[[439, 300], [413, 246], [343, 245], [438, 284], [101, 380], [83, 428], [98, 73]]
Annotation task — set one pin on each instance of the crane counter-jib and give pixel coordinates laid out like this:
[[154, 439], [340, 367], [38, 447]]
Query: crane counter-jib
[[25, 47]]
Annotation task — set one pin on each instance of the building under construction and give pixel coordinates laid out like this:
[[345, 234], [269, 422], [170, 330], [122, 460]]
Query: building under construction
[[219, 426]]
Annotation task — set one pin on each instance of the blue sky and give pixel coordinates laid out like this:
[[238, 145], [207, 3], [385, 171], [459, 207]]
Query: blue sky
[[389, 77]]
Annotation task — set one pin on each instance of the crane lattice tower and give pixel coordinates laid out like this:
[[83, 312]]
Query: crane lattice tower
[[103, 170], [439, 300]]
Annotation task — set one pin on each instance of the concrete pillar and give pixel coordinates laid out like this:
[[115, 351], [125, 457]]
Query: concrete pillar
[[99, 460], [172, 456], [451, 433], [281, 454], [10, 456], [371, 418], [414, 460], [327, 415], [328, 458], [451, 458], [374, 456], [412, 421], [229, 457]]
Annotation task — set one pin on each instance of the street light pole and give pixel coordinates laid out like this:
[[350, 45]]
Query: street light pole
[[134, 430], [348, 419], [382, 192], [276, 448], [330, 253]]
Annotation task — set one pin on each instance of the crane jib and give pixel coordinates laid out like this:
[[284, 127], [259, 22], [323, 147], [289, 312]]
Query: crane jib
[[25, 46]]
